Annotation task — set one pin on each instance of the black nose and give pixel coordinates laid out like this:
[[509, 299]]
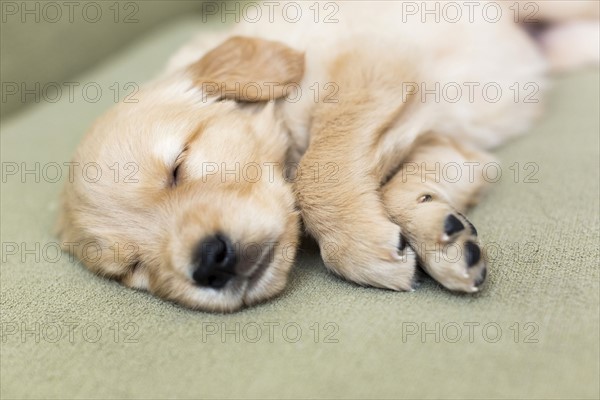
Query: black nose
[[215, 261]]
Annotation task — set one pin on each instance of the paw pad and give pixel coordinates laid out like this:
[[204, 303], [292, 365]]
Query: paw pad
[[472, 253], [452, 225], [481, 278]]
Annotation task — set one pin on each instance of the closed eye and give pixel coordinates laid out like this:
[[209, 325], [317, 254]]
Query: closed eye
[[176, 174]]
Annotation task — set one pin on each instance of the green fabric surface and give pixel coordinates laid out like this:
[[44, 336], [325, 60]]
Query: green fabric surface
[[49, 42], [542, 238]]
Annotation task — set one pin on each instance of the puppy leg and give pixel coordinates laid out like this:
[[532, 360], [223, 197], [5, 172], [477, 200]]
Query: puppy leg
[[436, 184], [338, 187]]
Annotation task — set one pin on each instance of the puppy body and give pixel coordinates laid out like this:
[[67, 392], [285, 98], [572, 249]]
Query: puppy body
[[374, 40], [372, 99]]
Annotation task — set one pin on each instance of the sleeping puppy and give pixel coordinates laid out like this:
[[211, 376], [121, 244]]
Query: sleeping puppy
[[251, 132]]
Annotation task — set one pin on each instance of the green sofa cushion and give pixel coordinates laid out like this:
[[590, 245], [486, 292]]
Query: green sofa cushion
[[46, 43]]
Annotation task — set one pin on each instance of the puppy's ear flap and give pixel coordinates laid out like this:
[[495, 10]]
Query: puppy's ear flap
[[248, 69]]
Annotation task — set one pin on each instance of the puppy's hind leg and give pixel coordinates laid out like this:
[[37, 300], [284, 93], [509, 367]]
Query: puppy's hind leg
[[427, 197]]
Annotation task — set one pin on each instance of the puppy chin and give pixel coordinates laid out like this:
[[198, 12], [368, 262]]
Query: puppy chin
[[270, 279], [267, 282], [225, 300]]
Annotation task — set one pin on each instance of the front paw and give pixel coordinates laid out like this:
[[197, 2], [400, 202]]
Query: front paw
[[449, 249], [371, 255]]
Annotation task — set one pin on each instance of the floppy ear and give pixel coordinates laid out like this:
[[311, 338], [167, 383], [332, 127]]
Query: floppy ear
[[248, 69]]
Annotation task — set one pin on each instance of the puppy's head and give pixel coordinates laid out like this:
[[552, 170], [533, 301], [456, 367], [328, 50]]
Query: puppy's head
[[183, 192]]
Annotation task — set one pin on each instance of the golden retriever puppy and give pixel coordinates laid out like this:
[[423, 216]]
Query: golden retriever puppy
[[338, 125]]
